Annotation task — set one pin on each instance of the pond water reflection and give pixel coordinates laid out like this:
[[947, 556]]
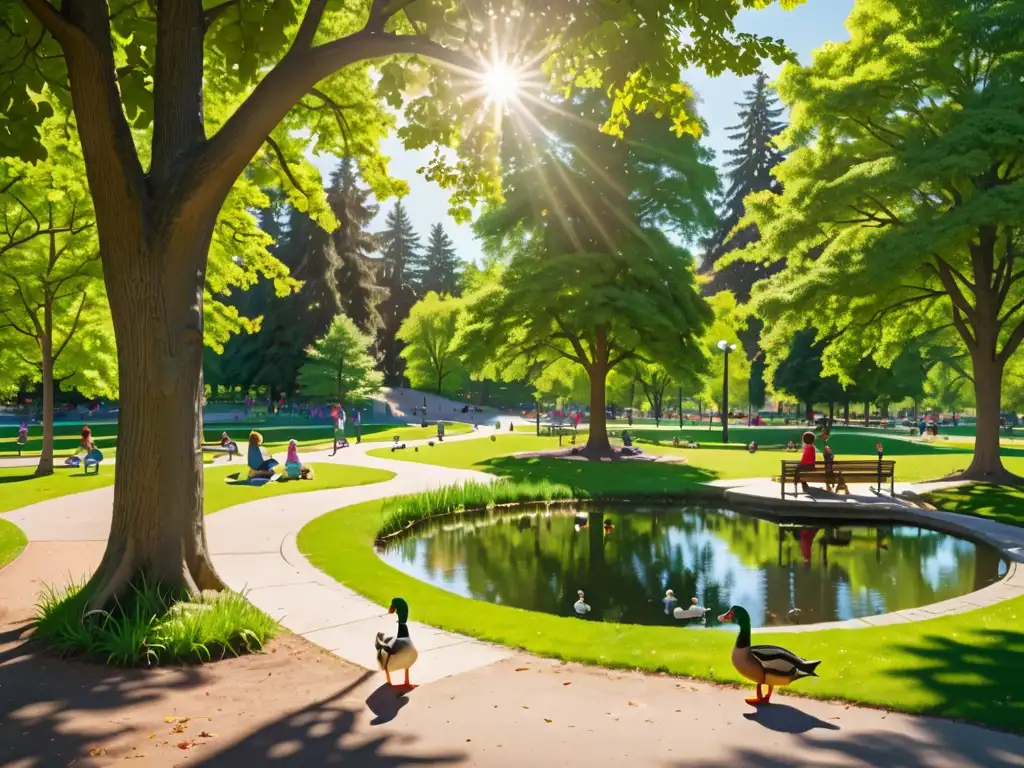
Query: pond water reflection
[[537, 560]]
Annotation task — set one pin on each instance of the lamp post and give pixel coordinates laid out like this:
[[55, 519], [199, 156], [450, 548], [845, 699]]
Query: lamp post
[[726, 348]]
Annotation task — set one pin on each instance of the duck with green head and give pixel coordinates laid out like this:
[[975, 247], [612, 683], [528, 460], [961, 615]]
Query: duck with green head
[[764, 664], [398, 652]]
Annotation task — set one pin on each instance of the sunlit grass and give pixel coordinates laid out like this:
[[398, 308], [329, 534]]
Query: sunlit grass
[[12, 542]]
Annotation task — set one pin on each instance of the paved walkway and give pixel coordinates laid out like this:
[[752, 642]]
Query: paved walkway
[[601, 716]]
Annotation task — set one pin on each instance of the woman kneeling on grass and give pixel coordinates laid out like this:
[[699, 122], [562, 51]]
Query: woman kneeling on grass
[[293, 467], [260, 464]]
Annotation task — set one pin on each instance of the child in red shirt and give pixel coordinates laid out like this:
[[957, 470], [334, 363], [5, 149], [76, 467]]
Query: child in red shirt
[[808, 456]]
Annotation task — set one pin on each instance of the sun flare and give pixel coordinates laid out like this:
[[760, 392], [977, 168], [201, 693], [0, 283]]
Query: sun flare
[[501, 84]]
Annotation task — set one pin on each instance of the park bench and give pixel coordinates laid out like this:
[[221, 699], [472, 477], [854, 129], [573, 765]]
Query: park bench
[[837, 472], [555, 428], [231, 449]]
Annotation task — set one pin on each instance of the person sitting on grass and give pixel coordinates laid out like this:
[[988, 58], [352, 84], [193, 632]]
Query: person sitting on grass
[[293, 467], [260, 464], [752, 447]]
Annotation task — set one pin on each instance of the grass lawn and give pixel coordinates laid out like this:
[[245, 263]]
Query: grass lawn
[[18, 488], [12, 541], [381, 434], [1003, 503], [965, 666], [220, 494]]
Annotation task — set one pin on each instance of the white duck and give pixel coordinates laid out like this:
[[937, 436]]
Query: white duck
[[670, 601], [581, 608], [693, 612], [398, 652]]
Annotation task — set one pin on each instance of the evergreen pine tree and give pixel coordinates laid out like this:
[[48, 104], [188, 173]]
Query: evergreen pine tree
[[749, 170], [400, 255], [440, 267]]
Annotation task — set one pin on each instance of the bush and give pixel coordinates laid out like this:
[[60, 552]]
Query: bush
[[150, 626], [398, 512]]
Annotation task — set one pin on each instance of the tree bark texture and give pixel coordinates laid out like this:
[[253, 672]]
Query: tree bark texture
[[45, 465], [986, 463], [597, 439], [157, 530]]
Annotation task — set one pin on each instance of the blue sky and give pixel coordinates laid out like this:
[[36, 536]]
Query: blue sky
[[804, 29]]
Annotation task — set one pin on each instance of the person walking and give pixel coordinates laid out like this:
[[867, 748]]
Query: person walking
[[339, 428], [357, 421]]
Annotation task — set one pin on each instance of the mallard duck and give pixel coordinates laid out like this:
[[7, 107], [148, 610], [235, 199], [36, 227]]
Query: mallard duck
[[670, 601], [398, 652], [581, 608], [764, 664], [695, 611]]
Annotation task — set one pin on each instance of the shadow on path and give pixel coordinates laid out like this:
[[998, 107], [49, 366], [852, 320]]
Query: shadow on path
[[783, 718]]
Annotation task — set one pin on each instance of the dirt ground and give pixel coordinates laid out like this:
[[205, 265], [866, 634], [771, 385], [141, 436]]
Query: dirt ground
[[299, 706]]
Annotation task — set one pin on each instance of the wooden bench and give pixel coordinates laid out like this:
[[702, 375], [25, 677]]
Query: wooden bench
[[836, 472]]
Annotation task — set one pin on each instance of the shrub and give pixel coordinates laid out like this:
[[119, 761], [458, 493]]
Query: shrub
[[151, 625], [399, 511]]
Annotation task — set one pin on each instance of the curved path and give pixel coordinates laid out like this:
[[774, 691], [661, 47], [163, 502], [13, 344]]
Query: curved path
[[567, 713]]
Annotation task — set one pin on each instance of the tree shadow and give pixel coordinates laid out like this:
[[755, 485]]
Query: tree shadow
[[975, 675], [783, 718], [321, 734], [42, 697], [926, 742], [602, 478], [1002, 503]]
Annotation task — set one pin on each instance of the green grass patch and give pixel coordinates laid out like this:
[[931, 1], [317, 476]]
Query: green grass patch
[[1002, 503], [400, 511], [470, 454], [12, 542], [19, 488], [220, 494], [963, 666], [150, 625]]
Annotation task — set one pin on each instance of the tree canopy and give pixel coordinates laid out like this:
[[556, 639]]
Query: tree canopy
[[339, 365], [429, 350], [903, 193]]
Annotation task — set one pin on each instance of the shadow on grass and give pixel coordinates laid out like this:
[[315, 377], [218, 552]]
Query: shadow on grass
[[976, 675], [599, 478], [926, 743], [1002, 503]]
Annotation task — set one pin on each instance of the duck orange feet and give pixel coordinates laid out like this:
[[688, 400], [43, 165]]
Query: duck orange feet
[[760, 698]]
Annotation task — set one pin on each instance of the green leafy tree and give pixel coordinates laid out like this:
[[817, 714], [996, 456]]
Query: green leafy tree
[[339, 365], [800, 376], [903, 202], [400, 255], [440, 268], [428, 337], [54, 320], [176, 100], [592, 277], [729, 322]]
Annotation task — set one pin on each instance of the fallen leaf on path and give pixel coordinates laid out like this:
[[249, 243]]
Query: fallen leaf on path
[[632, 704], [170, 719], [152, 735], [547, 720], [185, 744], [567, 683], [205, 735], [179, 728], [97, 752], [525, 707], [522, 669]]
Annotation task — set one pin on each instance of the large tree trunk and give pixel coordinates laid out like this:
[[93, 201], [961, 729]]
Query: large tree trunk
[[597, 439], [846, 413], [986, 464], [45, 465], [157, 531]]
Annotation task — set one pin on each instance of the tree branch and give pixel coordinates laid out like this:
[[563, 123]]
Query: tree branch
[[64, 31], [210, 15], [285, 168], [71, 331]]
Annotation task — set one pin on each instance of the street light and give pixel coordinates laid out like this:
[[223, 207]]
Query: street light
[[726, 348]]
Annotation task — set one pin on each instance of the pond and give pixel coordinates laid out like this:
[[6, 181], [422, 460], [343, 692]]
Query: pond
[[782, 574]]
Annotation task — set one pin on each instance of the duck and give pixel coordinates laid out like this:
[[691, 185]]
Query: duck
[[398, 652], [581, 608], [695, 611], [670, 601], [764, 664]]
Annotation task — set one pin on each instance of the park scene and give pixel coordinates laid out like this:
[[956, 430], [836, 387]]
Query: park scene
[[504, 383]]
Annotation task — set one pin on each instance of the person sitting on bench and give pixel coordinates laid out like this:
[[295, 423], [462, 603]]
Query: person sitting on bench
[[260, 465], [808, 456], [293, 467]]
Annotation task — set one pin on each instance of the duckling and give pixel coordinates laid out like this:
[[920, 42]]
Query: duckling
[[670, 601], [398, 652], [581, 608], [764, 664], [695, 611]]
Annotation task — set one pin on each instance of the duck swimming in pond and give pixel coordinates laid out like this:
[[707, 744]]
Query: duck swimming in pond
[[695, 611], [581, 608], [764, 664]]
